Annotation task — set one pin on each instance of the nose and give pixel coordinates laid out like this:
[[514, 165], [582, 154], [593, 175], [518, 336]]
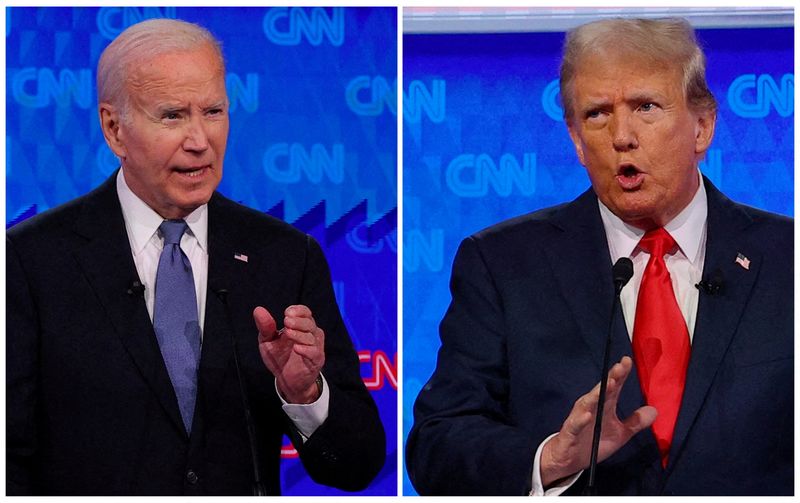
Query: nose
[[196, 139], [623, 131]]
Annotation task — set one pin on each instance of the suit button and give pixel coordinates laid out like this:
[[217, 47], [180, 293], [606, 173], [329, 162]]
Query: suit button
[[191, 477]]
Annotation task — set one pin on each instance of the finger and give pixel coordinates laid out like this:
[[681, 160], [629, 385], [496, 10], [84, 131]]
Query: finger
[[642, 418], [313, 355], [577, 422], [265, 324], [587, 404], [616, 378], [300, 323], [298, 311], [300, 337]]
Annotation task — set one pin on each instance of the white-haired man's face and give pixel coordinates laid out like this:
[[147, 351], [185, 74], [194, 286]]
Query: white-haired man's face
[[172, 140]]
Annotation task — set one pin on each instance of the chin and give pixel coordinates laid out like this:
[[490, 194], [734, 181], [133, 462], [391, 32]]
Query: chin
[[636, 214]]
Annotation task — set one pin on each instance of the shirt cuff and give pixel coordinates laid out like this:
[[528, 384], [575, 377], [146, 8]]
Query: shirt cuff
[[538, 488], [308, 417]]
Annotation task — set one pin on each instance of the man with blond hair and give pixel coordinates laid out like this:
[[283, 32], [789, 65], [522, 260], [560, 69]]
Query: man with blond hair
[[700, 401], [143, 349]]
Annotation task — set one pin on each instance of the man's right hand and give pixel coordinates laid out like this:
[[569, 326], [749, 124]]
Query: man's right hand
[[569, 451]]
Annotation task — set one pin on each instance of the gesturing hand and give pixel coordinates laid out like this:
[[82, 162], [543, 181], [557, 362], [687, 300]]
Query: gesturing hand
[[569, 451], [295, 354]]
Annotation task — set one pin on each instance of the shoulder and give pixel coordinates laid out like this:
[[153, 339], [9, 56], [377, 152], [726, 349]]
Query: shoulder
[[534, 223], [766, 229], [760, 228], [246, 224], [768, 221], [54, 222], [524, 239], [529, 232], [771, 233]]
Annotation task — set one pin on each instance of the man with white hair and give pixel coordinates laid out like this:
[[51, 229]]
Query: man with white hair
[[143, 350], [707, 316]]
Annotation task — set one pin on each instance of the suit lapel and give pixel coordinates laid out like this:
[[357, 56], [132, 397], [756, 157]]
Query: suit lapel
[[717, 315], [108, 265], [588, 287], [224, 273]]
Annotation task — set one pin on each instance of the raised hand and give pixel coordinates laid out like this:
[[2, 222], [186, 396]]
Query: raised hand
[[569, 451], [294, 354]]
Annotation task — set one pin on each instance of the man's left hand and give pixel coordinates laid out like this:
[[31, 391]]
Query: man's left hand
[[295, 354]]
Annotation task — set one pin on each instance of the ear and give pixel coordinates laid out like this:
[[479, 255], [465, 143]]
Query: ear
[[704, 131], [110, 125], [576, 140]]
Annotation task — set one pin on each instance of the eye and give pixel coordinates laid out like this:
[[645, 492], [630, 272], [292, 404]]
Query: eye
[[171, 115], [593, 114], [648, 107]]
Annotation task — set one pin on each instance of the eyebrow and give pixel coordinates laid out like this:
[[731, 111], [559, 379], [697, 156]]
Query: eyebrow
[[594, 104], [642, 96], [216, 104], [180, 107], [170, 106]]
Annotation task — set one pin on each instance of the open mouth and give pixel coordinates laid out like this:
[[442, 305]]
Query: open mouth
[[193, 172], [629, 177]]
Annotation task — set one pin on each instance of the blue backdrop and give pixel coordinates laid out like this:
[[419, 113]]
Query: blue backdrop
[[484, 141], [307, 144]]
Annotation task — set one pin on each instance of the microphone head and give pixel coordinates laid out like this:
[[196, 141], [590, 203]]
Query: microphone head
[[717, 281], [221, 293], [622, 272], [135, 288]]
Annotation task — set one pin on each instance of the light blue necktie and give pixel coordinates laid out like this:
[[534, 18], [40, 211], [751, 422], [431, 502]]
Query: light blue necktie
[[175, 318]]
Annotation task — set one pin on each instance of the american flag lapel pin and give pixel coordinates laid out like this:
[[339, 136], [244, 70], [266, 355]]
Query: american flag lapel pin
[[743, 261], [240, 256]]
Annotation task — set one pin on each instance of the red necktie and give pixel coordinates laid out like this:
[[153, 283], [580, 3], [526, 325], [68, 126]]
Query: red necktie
[[660, 340]]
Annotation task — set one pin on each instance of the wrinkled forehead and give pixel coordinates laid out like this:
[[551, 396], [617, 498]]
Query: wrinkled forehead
[[200, 71]]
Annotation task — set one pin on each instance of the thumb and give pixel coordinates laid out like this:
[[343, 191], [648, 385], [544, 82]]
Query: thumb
[[265, 324]]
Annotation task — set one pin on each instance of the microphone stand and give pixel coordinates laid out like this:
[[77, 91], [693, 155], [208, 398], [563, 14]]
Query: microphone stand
[[258, 486], [622, 272]]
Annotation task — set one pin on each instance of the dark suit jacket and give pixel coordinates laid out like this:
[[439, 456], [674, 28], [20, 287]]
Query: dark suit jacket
[[90, 407], [524, 336]]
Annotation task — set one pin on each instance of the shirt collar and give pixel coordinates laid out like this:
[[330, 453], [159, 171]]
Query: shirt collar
[[687, 228], [142, 221]]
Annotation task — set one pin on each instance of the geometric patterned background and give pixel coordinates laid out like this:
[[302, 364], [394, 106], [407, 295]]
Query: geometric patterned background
[[313, 141], [483, 141]]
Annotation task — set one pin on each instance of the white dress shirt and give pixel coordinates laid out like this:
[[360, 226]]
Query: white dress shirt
[[685, 265], [141, 224]]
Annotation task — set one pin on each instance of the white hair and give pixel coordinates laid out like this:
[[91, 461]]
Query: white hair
[[141, 42]]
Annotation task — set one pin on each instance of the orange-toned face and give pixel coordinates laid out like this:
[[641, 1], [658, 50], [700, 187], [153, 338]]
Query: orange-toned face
[[637, 137], [172, 142]]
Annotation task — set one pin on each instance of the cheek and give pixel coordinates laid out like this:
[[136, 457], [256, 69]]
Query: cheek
[[219, 137]]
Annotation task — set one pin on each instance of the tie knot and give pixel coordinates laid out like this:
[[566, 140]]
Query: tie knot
[[657, 242], [172, 230]]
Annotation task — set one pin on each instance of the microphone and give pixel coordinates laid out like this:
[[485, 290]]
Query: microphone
[[713, 285], [621, 272], [258, 485], [135, 289]]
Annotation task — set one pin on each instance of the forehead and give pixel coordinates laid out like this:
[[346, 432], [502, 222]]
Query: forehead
[[603, 73], [198, 71]]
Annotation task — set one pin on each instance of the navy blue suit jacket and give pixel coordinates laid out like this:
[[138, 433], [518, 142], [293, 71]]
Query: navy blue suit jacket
[[90, 407], [524, 337]]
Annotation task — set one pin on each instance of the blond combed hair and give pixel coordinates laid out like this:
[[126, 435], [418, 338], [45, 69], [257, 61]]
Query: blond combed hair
[[669, 41]]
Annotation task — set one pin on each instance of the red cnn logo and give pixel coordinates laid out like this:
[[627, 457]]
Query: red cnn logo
[[384, 371]]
